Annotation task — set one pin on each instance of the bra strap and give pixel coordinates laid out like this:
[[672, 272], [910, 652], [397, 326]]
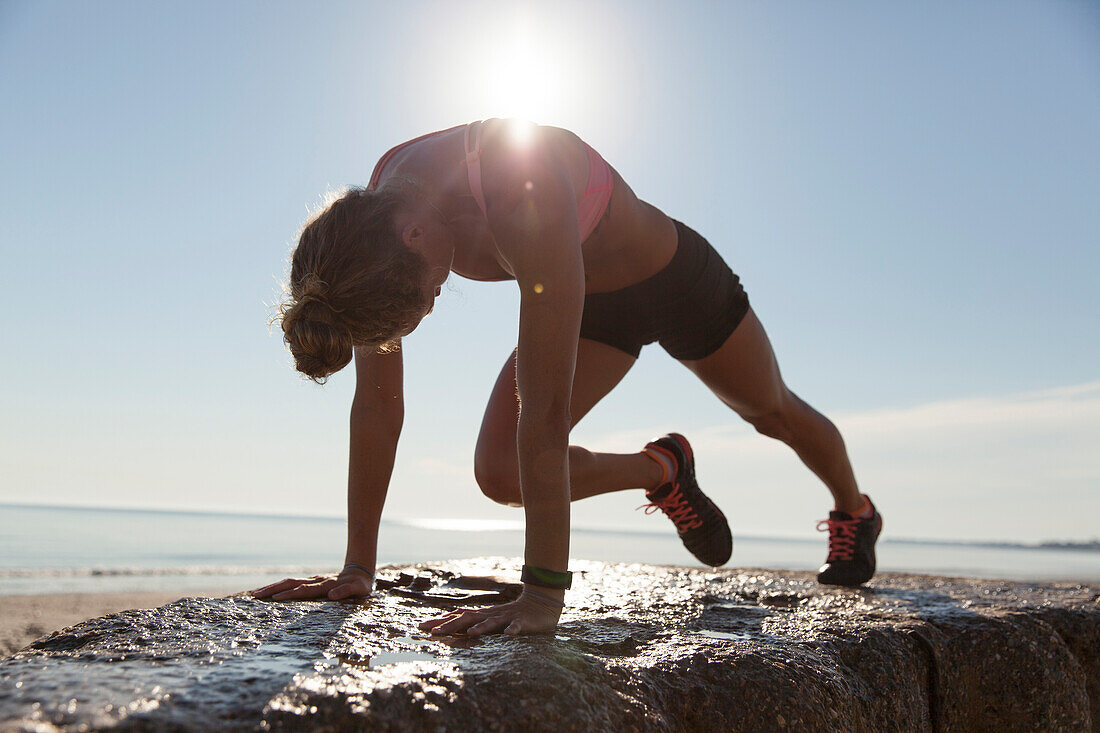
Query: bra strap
[[473, 165]]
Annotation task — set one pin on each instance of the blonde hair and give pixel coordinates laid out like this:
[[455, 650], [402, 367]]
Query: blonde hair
[[353, 282]]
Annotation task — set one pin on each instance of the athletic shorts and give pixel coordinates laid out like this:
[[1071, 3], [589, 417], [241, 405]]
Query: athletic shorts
[[690, 307]]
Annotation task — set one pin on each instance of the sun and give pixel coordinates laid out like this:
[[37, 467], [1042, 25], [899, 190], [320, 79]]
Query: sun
[[525, 72], [523, 82], [522, 63]]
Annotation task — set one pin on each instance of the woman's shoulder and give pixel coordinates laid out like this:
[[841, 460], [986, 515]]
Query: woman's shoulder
[[389, 155], [520, 134], [514, 148]]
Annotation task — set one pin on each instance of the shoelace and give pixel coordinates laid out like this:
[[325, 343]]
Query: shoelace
[[842, 537], [677, 509]]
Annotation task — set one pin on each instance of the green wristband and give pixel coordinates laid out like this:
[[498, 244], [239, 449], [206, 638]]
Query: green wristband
[[546, 578]]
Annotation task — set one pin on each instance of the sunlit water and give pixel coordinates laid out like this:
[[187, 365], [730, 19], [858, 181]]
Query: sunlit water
[[70, 550]]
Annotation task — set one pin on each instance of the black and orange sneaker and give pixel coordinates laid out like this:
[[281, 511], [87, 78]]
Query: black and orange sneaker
[[852, 540], [702, 527]]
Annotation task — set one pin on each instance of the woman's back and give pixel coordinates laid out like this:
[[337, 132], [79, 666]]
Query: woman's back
[[624, 240]]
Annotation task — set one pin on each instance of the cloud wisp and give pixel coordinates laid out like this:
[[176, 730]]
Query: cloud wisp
[[1022, 467]]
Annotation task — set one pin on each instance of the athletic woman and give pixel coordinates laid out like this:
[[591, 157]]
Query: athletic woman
[[601, 273]]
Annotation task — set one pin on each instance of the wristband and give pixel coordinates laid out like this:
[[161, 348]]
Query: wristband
[[360, 567], [546, 578]]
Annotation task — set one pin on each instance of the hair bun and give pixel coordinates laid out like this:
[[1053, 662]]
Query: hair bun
[[318, 344]]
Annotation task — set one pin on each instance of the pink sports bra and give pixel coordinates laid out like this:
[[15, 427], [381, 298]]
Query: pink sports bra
[[590, 209]]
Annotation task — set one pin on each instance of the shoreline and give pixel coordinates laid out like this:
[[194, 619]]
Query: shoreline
[[24, 618]]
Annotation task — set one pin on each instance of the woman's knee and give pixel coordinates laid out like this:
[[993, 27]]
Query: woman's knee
[[497, 477], [496, 465], [775, 424], [792, 421], [777, 420]]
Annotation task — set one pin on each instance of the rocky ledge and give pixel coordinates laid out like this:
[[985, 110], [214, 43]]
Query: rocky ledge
[[640, 648]]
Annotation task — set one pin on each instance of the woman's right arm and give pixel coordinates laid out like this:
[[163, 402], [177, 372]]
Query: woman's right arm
[[377, 412]]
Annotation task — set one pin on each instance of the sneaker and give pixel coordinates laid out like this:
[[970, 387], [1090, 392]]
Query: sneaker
[[701, 525], [852, 540]]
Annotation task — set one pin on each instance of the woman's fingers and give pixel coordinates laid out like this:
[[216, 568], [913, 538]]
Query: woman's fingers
[[490, 625], [511, 618], [439, 620], [443, 624], [311, 589], [450, 624], [296, 594], [273, 587], [282, 585], [431, 624], [318, 586], [466, 621]]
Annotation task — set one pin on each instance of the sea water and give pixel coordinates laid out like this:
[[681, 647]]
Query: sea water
[[83, 550]]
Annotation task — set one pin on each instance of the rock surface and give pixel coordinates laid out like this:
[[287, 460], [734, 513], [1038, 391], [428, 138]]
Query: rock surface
[[640, 648]]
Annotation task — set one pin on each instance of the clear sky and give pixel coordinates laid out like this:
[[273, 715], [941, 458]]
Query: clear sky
[[908, 190]]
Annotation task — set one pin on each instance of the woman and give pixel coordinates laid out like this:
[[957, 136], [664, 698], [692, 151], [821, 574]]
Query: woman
[[601, 273]]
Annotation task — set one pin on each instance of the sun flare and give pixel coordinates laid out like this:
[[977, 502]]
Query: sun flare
[[525, 76], [523, 81], [521, 131], [521, 63]]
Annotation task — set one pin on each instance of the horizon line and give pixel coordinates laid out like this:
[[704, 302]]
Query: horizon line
[[497, 525]]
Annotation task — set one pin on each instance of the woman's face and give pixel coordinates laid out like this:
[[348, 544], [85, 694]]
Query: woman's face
[[432, 240], [423, 230], [436, 246]]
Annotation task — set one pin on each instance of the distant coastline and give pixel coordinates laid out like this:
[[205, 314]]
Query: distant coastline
[[1093, 546], [1083, 546], [462, 525]]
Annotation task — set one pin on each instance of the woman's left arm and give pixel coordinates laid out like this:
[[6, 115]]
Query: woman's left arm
[[533, 217]]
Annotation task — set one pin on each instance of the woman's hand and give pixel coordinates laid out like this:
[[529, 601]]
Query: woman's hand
[[350, 583], [521, 616]]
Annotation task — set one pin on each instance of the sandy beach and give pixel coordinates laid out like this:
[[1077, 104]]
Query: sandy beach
[[27, 617]]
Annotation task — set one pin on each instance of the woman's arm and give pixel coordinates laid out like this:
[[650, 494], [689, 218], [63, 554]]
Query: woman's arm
[[533, 217], [377, 412], [550, 274]]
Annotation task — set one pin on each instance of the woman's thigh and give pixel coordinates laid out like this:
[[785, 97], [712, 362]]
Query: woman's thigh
[[743, 372], [599, 368]]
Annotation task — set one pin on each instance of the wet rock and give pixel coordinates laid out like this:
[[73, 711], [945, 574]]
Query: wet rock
[[640, 648]]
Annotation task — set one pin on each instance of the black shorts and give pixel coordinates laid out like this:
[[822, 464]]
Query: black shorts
[[691, 306]]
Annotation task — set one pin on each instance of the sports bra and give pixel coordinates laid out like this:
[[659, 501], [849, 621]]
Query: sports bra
[[590, 209]]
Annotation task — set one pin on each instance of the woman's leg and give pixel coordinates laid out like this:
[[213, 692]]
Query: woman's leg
[[744, 374], [496, 465]]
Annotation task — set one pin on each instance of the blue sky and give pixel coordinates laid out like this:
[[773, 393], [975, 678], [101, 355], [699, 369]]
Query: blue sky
[[908, 192]]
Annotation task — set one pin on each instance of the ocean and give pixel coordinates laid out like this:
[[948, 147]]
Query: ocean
[[84, 550]]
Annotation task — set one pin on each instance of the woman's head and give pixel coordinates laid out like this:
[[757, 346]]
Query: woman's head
[[353, 282]]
